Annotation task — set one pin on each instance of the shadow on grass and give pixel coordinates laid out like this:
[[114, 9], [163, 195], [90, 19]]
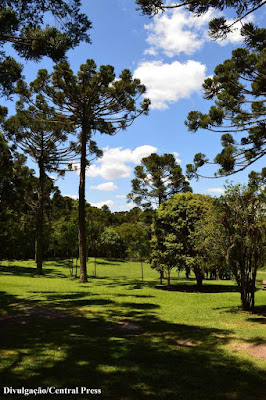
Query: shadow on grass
[[18, 270], [193, 288], [259, 313], [164, 361]]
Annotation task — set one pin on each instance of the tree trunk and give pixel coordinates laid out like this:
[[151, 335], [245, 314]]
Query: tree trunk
[[39, 220], [168, 277], [248, 294], [82, 209], [199, 277], [161, 277], [187, 272]]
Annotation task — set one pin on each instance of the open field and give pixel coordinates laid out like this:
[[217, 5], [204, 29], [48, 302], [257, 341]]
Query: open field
[[133, 340]]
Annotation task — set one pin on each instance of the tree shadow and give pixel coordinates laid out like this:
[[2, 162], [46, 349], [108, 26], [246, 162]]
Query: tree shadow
[[18, 270], [161, 361], [206, 288], [259, 313]]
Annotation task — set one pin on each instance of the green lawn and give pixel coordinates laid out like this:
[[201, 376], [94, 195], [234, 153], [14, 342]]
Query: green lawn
[[133, 340]]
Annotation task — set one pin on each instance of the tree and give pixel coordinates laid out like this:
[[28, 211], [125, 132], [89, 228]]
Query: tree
[[89, 102], [136, 237], [219, 27], [157, 179], [175, 228], [111, 242], [17, 192], [37, 133], [242, 218], [238, 88], [22, 25]]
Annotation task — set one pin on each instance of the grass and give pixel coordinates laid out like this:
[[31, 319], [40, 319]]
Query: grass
[[133, 340]]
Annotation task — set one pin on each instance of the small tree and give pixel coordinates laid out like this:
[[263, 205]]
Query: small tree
[[136, 239], [158, 178], [111, 243], [241, 215], [175, 226]]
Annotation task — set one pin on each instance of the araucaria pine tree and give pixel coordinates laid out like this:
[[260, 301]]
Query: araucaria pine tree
[[36, 131], [91, 101]]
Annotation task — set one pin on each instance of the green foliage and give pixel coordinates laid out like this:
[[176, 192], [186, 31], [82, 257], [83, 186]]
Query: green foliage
[[157, 179], [136, 238], [238, 88], [112, 245], [174, 242], [22, 25], [17, 195], [241, 214]]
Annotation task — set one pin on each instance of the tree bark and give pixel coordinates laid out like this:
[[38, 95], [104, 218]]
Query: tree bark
[[199, 277], [82, 209], [161, 277], [168, 276], [39, 220]]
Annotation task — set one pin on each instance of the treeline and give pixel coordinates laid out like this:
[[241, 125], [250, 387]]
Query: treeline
[[108, 234]]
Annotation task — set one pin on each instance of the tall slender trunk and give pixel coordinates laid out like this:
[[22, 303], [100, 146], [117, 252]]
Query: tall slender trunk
[[39, 220], [82, 209], [161, 277], [168, 276]]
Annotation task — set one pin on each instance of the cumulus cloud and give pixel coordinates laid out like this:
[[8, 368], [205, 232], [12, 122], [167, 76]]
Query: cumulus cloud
[[72, 196], [121, 196], [177, 31], [216, 190], [176, 155], [126, 207], [107, 186], [167, 83], [100, 204], [114, 162]]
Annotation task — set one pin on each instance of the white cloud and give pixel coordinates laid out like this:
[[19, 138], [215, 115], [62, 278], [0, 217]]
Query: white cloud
[[176, 155], [72, 196], [216, 190], [54, 178], [121, 196], [126, 207], [100, 204], [151, 52], [167, 83], [177, 31], [113, 163], [107, 186]]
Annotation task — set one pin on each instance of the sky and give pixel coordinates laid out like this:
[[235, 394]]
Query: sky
[[172, 55]]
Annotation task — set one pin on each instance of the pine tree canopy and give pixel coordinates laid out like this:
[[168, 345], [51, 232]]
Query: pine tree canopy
[[238, 89]]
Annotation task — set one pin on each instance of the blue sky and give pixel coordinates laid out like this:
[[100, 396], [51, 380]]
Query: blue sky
[[172, 55]]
